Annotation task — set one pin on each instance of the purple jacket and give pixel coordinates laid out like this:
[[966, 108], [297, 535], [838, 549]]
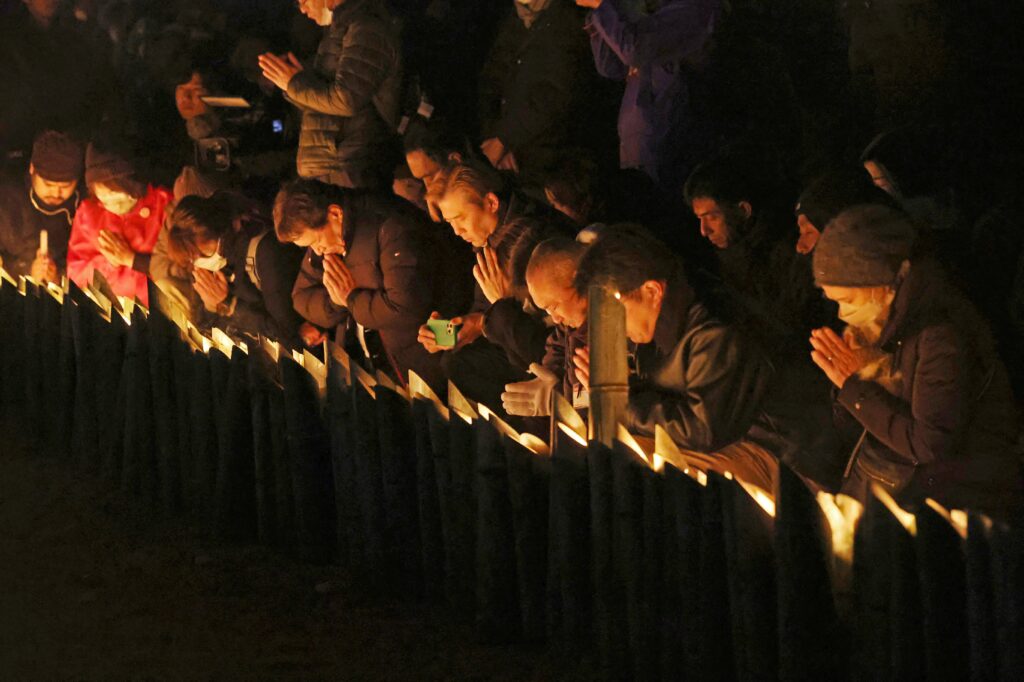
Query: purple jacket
[[651, 51]]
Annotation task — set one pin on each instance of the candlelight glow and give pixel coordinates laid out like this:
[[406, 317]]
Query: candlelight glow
[[906, 519], [572, 434], [460, 404], [842, 513], [627, 439], [763, 499], [957, 518], [534, 444]]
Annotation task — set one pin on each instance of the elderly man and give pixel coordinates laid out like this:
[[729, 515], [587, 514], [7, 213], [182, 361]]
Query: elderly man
[[549, 278], [44, 201]]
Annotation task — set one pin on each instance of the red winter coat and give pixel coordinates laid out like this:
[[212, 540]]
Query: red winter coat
[[140, 228]]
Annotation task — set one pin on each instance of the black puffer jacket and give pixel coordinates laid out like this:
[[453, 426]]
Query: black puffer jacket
[[349, 99], [940, 422]]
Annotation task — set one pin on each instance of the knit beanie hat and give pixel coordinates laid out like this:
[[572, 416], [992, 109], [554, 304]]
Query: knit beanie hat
[[832, 193], [57, 157], [863, 247], [102, 165]]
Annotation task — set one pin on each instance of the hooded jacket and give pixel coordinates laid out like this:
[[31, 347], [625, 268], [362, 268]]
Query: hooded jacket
[[349, 99], [140, 227], [941, 422], [22, 217]]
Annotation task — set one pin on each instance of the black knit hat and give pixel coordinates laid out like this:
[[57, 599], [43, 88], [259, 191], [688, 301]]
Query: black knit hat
[[103, 165], [57, 157], [863, 247], [832, 193]]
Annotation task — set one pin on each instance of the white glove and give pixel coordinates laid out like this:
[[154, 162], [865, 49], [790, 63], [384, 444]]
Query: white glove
[[531, 398]]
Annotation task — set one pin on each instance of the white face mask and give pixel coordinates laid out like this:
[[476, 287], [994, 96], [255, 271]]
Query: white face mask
[[213, 263], [326, 15], [861, 315]]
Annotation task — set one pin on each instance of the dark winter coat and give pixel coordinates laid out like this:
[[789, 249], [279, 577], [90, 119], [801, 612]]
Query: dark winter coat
[[392, 255], [530, 82], [513, 323], [650, 52], [57, 78], [771, 288], [940, 422], [699, 379], [22, 217], [265, 310], [559, 351], [349, 99]]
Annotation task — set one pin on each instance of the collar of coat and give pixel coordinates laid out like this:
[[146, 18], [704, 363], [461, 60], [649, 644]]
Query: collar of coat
[[924, 297], [510, 210], [343, 13], [68, 208], [672, 319]]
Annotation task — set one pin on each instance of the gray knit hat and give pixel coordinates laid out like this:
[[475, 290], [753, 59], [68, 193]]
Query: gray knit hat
[[863, 247]]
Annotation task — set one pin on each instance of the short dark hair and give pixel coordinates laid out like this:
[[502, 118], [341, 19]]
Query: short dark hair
[[559, 253], [575, 182], [302, 205], [433, 139], [724, 179], [210, 67], [474, 177], [622, 258]]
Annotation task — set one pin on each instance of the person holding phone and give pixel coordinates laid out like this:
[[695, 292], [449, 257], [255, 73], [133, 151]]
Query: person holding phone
[[503, 333]]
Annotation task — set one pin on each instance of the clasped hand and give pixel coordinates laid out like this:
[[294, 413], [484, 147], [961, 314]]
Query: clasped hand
[[114, 247], [834, 356], [338, 280]]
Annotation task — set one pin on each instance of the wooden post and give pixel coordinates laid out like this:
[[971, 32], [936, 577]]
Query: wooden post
[[609, 368]]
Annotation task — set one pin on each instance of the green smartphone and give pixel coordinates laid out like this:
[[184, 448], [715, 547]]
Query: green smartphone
[[445, 333]]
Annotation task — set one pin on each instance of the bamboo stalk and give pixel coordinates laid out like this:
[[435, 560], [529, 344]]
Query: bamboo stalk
[[609, 369]]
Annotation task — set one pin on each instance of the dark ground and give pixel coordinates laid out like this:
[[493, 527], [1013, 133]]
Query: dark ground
[[90, 589]]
